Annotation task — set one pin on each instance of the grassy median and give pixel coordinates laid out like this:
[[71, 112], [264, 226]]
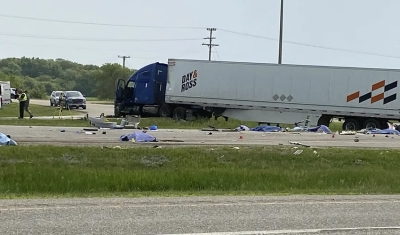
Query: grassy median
[[162, 123], [48, 171], [12, 110]]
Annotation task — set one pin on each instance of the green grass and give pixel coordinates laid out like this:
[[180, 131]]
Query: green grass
[[12, 110], [37, 171], [105, 102], [161, 123], [65, 122], [88, 98]]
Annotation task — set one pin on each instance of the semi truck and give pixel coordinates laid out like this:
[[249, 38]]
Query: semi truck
[[262, 92]]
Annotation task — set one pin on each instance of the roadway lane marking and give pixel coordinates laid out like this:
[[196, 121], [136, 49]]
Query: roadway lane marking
[[201, 204], [291, 231]]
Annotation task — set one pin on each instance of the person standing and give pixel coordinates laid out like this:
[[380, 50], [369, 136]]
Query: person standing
[[22, 98], [28, 97]]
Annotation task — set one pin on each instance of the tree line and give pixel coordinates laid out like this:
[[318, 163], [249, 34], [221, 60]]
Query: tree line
[[42, 76]]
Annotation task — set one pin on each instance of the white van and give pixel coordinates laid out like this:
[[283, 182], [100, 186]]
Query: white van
[[5, 92]]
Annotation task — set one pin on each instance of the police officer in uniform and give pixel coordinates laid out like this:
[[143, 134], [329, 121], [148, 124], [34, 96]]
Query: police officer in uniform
[[27, 104], [22, 100]]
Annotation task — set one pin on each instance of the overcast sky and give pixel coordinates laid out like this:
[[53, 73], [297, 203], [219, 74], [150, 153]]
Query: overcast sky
[[368, 26]]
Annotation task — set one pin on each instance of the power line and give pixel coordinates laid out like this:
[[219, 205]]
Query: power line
[[210, 44], [173, 27], [98, 24], [96, 39], [98, 49], [124, 57], [311, 45]]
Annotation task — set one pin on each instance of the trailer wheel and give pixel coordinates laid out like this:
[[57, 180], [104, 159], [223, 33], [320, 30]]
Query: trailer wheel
[[372, 124], [351, 125], [180, 113], [165, 111]]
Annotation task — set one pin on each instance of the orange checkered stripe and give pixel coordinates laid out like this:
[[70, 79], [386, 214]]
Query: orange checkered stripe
[[377, 97]]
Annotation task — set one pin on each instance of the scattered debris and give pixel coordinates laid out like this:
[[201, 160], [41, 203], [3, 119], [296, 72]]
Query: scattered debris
[[219, 130], [90, 129], [174, 140], [5, 140], [347, 133], [298, 152], [298, 143], [115, 147], [69, 159], [152, 161], [102, 122], [138, 136]]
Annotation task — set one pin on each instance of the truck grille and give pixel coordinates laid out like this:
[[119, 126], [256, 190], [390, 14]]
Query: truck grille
[[76, 101]]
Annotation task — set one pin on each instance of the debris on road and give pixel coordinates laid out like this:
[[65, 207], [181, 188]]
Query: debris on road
[[102, 122], [90, 129], [5, 140], [298, 152], [298, 143], [138, 136], [347, 133]]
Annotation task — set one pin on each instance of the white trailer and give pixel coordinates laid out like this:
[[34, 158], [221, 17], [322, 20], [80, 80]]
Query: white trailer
[[5, 92], [285, 94]]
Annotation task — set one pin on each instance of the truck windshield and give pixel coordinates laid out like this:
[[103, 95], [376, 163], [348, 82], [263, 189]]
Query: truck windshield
[[131, 84], [73, 94]]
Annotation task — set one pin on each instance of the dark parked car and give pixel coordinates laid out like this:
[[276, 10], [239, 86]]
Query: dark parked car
[[75, 99]]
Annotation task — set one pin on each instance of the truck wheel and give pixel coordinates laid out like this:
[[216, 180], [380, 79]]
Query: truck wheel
[[180, 113], [351, 125], [372, 124], [165, 111]]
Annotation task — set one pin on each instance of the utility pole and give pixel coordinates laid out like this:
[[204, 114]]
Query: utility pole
[[123, 59], [210, 45], [280, 34]]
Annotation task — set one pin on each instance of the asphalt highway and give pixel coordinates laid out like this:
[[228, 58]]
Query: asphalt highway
[[92, 108], [199, 215], [209, 215], [75, 135]]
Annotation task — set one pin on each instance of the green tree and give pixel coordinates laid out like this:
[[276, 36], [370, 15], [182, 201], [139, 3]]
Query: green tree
[[41, 76], [107, 77]]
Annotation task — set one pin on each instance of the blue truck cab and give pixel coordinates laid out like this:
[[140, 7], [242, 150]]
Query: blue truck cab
[[146, 87], [144, 93]]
